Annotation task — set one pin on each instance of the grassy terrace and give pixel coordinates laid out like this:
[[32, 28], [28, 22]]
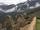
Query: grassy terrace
[[38, 24]]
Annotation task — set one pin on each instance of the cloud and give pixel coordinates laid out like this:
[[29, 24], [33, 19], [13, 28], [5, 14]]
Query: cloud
[[12, 1]]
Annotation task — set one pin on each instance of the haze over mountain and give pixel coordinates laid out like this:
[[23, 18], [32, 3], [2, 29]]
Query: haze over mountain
[[20, 8]]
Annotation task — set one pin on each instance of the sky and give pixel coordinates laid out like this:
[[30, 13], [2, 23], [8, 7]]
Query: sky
[[12, 1], [15, 2]]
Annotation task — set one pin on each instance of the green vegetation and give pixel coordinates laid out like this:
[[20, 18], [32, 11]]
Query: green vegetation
[[38, 24]]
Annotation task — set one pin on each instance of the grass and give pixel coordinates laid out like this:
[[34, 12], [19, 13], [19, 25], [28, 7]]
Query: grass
[[38, 24]]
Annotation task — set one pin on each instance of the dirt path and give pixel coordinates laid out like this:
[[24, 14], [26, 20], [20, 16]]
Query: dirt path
[[30, 26]]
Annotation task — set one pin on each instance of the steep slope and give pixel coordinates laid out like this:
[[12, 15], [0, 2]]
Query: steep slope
[[19, 9]]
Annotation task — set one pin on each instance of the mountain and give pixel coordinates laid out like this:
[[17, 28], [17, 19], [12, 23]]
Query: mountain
[[6, 7], [19, 9], [24, 8], [33, 2], [5, 10], [12, 12], [26, 5]]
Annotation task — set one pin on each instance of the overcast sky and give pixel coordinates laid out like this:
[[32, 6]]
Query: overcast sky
[[12, 1]]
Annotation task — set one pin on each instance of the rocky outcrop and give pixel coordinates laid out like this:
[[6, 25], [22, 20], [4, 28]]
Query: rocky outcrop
[[16, 23]]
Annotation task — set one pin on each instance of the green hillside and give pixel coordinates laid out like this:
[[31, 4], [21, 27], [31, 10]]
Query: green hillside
[[38, 24]]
